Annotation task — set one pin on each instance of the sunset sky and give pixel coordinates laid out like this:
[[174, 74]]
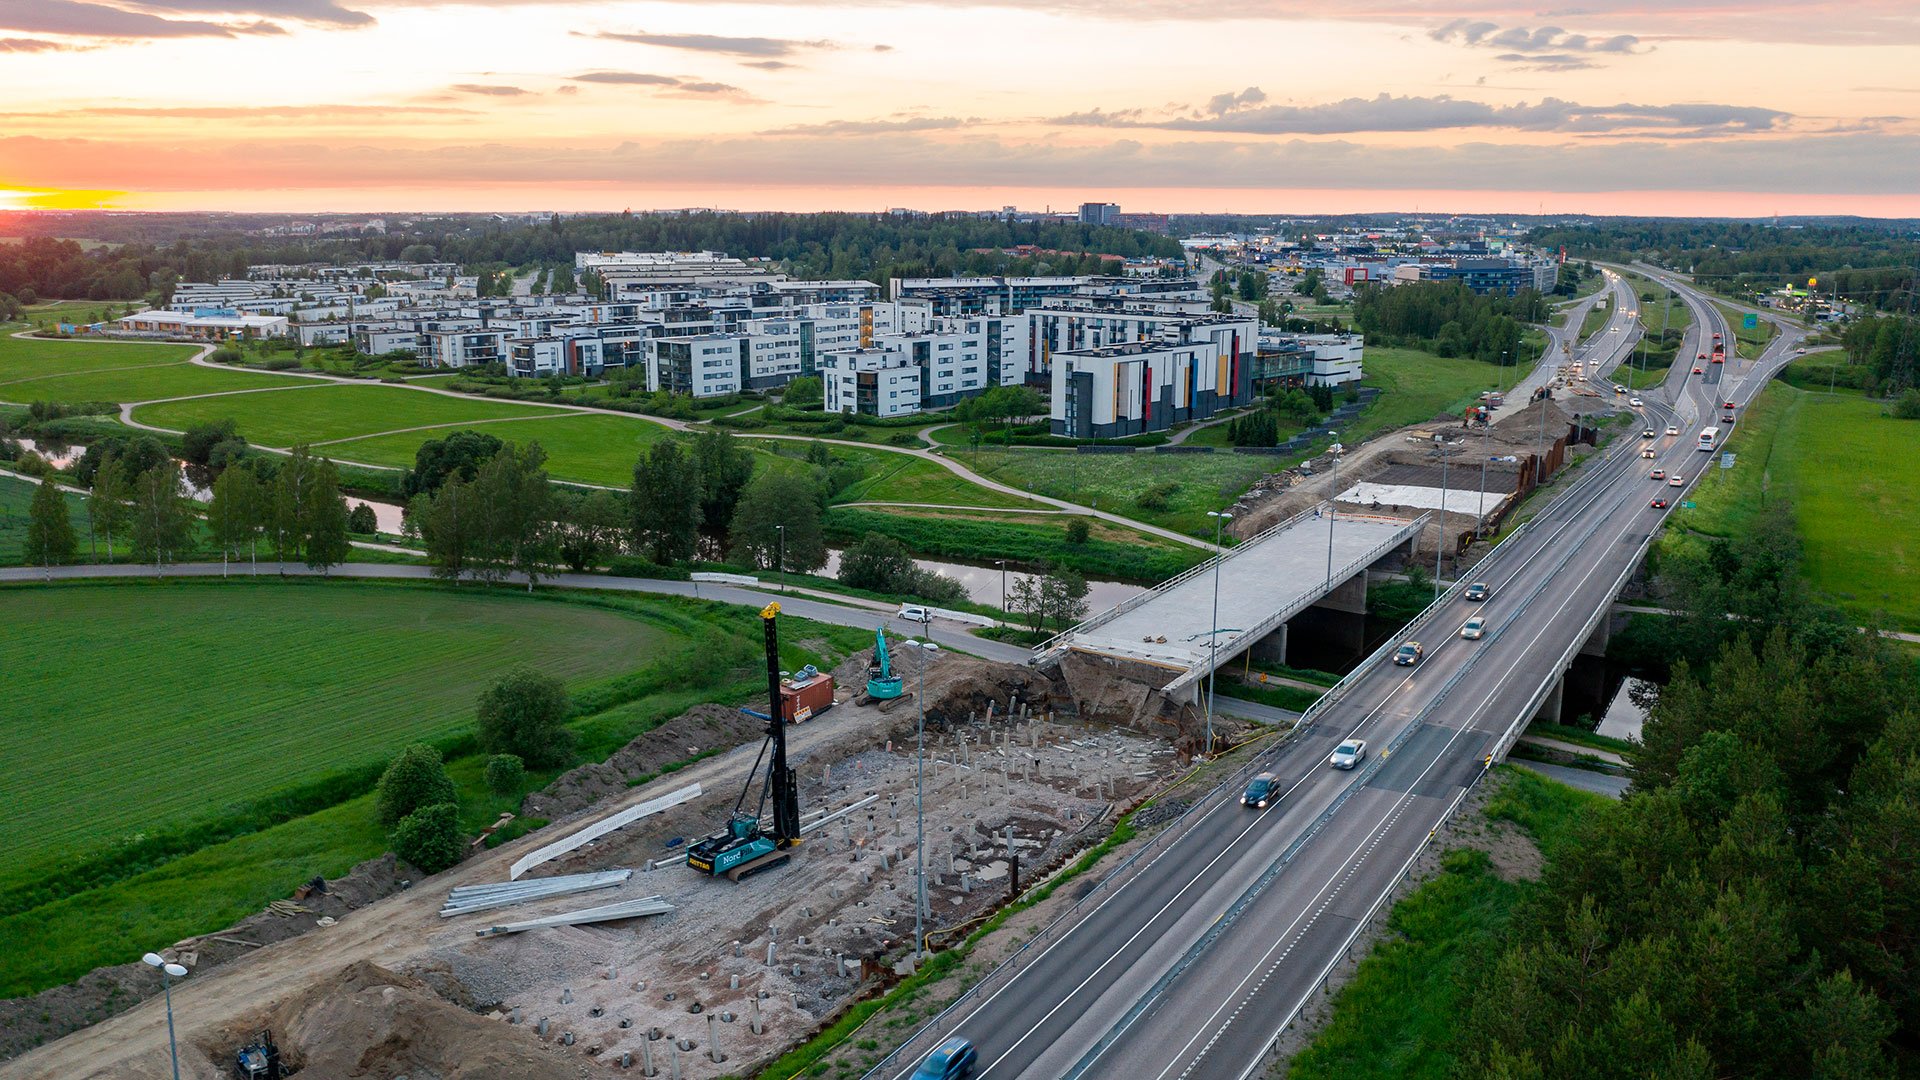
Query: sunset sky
[[1606, 106]]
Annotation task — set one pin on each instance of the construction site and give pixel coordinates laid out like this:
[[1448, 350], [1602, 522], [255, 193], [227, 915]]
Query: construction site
[[617, 939]]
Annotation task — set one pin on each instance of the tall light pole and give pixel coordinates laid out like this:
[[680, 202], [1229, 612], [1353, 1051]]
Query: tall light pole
[[1480, 508], [780, 559], [920, 798], [1333, 503], [1002, 564], [1440, 545], [1220, 518], [168, 973]]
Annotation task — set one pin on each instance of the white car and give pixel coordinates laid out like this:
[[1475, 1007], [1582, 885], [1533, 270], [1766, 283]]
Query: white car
[[1348, 754], [1636, 402], [1676, 480], [1673, 429], [914, 613], [1475, 628]]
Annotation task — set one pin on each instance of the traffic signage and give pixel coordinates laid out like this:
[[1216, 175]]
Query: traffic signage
[[1726, 460]]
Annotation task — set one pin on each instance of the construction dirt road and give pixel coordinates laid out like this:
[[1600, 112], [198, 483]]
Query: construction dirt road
[[393, 989]]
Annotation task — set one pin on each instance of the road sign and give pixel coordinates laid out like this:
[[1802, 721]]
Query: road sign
[[1751, 321], [1726, 460], [1688, 505]]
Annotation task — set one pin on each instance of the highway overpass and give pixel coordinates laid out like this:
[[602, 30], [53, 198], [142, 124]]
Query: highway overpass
[[1192, 956]]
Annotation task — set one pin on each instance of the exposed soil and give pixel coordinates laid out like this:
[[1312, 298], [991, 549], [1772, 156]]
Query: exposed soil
[[1024, 768]]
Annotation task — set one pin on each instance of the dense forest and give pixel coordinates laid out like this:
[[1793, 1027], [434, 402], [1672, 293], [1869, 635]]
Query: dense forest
[[1889, 348], [1447, 318], [1749, 909], [1868, 262], [870, 246]]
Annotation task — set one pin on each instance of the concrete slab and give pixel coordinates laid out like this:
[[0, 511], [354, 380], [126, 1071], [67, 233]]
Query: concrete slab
[[1470, 502]]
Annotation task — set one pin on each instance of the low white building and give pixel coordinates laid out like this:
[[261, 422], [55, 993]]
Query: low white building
[[204, 324]]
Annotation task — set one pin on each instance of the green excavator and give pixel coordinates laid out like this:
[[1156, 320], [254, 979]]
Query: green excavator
[[882, 683], [746, 848]]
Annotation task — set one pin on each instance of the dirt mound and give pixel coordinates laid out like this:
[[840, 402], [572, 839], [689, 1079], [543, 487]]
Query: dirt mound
[[371, 1022], [29, 1021], [699, 730], [1122, 692]]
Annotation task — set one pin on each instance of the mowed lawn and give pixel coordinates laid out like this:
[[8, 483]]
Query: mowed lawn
[[136, 707], [1416, 386], [30, 358], [905, 478], [588, 448], [1849, 471], [53, 370], [331, 411]]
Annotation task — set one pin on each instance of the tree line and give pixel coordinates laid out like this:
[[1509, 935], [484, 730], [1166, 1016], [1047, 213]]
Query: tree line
[[1447, 318], [1749, 908]]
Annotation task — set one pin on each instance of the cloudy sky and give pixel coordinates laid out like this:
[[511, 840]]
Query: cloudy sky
[[1608, 106]]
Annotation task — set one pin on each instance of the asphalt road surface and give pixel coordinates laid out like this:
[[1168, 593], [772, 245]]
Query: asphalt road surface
[[1191, 967]]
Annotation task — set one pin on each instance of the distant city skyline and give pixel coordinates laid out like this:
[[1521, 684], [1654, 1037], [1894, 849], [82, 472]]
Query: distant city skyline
[[1700, 107]]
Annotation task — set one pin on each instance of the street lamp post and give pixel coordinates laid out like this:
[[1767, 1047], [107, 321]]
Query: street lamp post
[[1333, 503], [920, 799], [1440, 545], [780, 559], [1002, 564], [168, 973], [1220, 518]]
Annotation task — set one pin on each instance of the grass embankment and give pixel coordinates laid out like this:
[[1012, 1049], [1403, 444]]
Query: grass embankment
[[245, 786], [1416, 386], [1849, 470], [902, 478], [1398, 1015], [1174, 491], [1748, 343], [15, 497], [1596, 318], [1665, 318], [1111, 551]]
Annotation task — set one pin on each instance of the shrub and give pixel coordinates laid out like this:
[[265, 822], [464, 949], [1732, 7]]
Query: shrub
[[1159, 496], [281, 363], [416, 778], [506, 774], [522, 714], [1078, 531], [1907, 406], [429, 838], [226, 354], [633, 566], [362, 519]]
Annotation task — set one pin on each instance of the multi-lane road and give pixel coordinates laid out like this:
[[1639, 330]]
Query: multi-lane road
[[1192, 966]]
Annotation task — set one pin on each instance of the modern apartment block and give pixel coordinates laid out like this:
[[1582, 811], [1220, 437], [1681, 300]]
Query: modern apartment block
[[1287, 360], [1136, 387], [1070, 327], [880, 381]]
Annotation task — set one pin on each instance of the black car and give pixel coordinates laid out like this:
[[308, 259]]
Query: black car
[[1477, 591], [1264, 789]]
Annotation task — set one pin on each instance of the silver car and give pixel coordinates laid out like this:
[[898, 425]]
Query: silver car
[[1348, 754]]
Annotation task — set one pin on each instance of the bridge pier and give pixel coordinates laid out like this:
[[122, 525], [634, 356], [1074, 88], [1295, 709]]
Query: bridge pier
[[1550, 706], [1272, 649]]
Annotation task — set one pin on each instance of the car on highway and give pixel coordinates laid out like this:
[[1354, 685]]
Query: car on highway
[[1618, 389], [951, 1060], [1697, 371], [1799, 352], [1477, 591], [1701, 356], [1658, 504], [1646, 451], [1636, 403], [914, 613], [1409, 654], [1348, 754], [1676, 480], [1659, 474], [1261, 790], [1673, 429], [1719, 358], [1727, 419], [1728, 405], [1647, 434], [1475, 628]]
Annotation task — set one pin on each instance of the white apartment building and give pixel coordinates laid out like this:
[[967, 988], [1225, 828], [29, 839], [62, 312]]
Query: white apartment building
[[709, 365], [880, 381]]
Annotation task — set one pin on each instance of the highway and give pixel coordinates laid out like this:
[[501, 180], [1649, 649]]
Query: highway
[[1190, 966]]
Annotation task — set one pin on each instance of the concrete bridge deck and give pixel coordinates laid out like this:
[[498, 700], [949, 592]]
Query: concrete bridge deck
[[1262, 583]]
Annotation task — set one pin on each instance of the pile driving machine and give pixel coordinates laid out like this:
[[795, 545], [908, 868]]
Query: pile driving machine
[[745, 848]]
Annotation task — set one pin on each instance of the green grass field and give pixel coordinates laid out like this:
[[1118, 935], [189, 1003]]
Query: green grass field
[[27, 358], [265, 685], [1397, 1016], [330, 411], [1849, 471], [588, 448], [902, 478], [33, 370], [1416, 386], [1178, 489], [1112, 551], [1748, 344]]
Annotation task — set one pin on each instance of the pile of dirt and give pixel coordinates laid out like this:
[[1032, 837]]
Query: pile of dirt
[[1111, 690], [699, 730], [369, 1021], [30, 1021]]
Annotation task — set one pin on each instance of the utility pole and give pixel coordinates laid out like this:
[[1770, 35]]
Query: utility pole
[[1440, 544], [920, 804], [1540, 447], [1213, 637], [1333, 503]]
